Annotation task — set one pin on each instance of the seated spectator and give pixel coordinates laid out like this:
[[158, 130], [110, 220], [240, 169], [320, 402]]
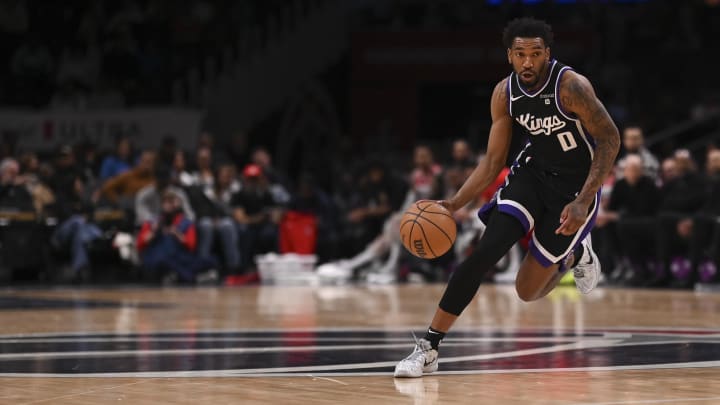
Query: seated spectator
[[426, 176], [119, 162], [309, 199], [634, 143], [168, 150], [120, 190], [14, 196], [705, 228], [203, 176], [630, 218], [278, 182], [257, 214], [41, 193], [462, 157], [180, 175], [216, 221], [681, 197], [74, 211], [167, 243], [147, 200], [370, 205]]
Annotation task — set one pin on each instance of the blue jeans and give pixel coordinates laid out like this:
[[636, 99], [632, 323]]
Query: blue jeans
[[74, 234], [226, 232], [255, 239]]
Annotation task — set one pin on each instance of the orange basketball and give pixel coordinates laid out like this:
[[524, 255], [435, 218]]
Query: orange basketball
[[427, 229]]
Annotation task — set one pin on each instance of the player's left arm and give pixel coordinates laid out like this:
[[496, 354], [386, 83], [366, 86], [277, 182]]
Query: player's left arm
[[578, 97]]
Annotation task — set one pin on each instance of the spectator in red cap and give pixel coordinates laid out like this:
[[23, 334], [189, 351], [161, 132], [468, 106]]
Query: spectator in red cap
[[257, 213]]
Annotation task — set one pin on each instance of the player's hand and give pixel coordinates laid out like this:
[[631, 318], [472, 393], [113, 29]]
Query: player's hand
[[447, 204], [572, 218]]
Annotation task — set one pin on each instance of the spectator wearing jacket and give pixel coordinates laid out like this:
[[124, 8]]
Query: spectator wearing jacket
[[167, 244]]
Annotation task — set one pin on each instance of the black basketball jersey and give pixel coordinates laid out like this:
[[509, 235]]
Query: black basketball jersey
[[557, 142]]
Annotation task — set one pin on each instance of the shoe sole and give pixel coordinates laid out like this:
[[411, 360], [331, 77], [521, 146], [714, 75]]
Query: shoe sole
[[424, 372]]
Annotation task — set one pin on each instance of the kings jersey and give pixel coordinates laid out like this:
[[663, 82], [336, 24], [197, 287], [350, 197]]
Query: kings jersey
[[557, 142]]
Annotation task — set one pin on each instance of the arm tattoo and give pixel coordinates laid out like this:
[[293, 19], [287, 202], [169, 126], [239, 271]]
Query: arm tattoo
[[578, 96]]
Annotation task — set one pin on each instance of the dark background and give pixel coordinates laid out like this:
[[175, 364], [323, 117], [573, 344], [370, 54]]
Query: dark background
[[325, 82]]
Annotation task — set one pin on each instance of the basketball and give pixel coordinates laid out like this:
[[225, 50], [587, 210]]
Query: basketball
[[427, 229]]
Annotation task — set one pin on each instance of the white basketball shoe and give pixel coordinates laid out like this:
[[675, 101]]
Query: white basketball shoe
[[587, 269], [423, 360]]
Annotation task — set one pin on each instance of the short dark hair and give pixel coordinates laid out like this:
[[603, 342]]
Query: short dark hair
[[527, 27]]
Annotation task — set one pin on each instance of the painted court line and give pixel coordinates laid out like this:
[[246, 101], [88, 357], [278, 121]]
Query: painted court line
[[650, 401]]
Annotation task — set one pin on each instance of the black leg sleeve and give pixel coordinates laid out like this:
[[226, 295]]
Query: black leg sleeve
[[501, 233]]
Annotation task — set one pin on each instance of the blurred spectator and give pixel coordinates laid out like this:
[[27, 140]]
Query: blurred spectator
[[370, 205], [14, 196], [669, 171], [65, 177], [630, 218], [216, 222], [310, 199], [73, 210], [166, 153], [681, 197], [121, 189], [41, 193], [278, 182], [180, 175], [119, 162], [166, 245], [705, 239], [257, 214], [88, 162], [148, 199], [203, 176], [425, 178], [462, 156], [634, 143]]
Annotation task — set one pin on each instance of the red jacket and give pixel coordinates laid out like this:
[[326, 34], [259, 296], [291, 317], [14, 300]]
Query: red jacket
[[182, 224]]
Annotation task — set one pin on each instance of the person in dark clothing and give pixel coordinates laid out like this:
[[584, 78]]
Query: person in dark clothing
[[369, 207], [73, 211], [310, 199], [630, 215], [257, 214], [681, 197], [705, 235]]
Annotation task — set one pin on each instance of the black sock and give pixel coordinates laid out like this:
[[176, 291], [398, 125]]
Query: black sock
[[434, 336], [577, 254]]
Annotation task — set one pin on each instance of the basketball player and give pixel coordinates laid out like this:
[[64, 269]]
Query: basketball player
[[552, 190]]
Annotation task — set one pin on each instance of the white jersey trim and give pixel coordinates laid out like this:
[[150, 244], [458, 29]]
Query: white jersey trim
[[557, 259]]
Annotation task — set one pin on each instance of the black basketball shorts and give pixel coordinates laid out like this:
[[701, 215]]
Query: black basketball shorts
[[536, 198]]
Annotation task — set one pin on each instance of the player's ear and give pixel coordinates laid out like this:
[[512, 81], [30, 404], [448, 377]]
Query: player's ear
[[508, 55], [547, 53]]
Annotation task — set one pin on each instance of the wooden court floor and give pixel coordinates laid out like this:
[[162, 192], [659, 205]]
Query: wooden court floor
[[338, 344]]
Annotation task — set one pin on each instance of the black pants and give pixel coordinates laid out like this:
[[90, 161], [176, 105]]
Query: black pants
[[636, 237], [705, 240], [668, 242]]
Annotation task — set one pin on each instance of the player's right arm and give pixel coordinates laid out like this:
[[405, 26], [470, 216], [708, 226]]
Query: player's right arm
[[497, 151]]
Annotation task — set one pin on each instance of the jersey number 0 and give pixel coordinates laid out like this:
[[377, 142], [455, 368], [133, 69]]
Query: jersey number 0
[[567, 141]]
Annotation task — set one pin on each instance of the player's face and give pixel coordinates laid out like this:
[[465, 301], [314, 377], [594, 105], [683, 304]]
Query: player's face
[[529, 58]]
